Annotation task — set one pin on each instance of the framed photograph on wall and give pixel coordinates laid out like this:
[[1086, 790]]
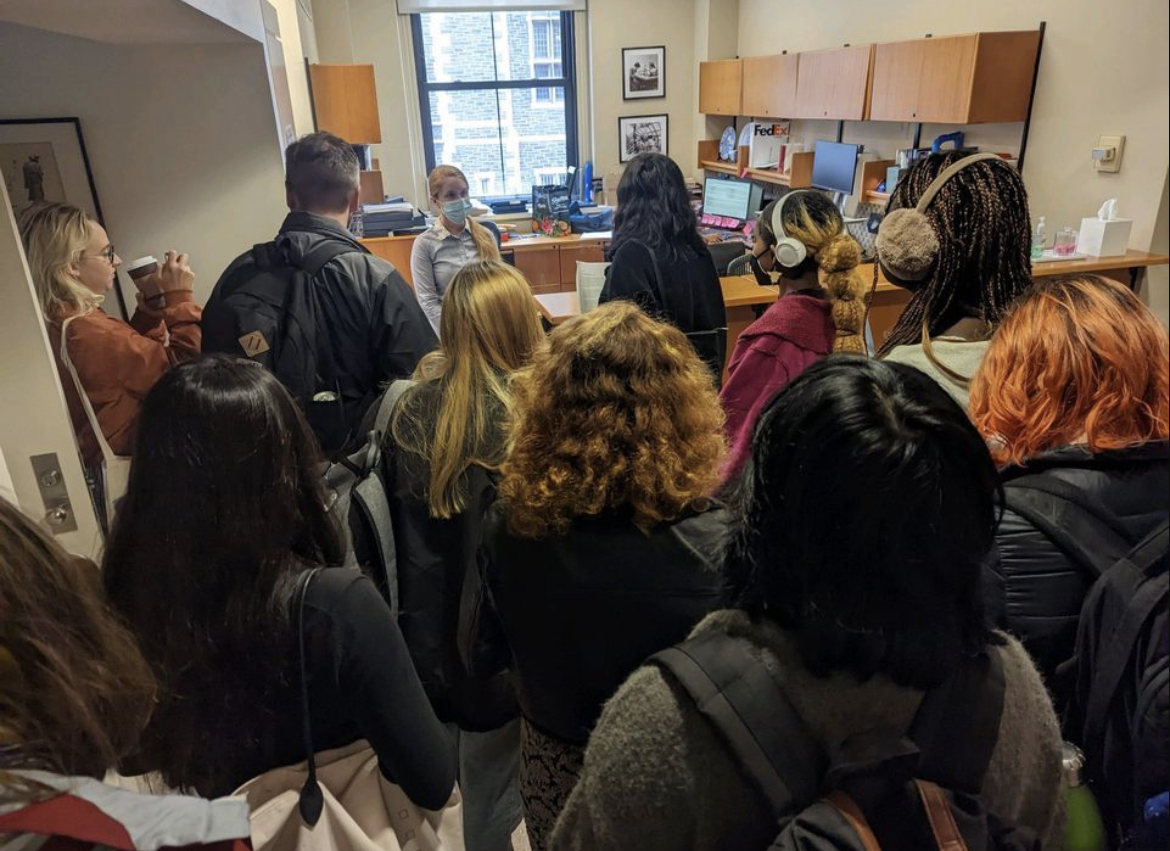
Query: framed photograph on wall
[[643, 72], [641, 134], [44, 159]]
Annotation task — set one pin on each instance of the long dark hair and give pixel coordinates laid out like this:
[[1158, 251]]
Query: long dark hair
[[225, 507], [654, 208], [981, 218], [76, 691], [863, 518]]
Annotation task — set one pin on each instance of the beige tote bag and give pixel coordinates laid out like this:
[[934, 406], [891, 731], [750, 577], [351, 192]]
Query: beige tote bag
[[116, 476], [338, 800]]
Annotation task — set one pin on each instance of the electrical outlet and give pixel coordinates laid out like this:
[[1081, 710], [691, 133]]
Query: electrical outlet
[[1113, 163]]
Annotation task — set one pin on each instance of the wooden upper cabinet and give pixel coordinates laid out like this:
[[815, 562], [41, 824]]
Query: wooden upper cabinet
[[721, 87], [964, 79], [345, 102], [833, 84], [769, 86]]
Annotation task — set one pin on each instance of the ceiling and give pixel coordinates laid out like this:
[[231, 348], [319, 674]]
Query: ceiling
[[129, 21]]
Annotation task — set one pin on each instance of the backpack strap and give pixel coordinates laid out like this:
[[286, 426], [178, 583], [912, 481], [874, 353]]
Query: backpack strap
[[1055, 507], [746, 705], [386, 407], [311, 264], [311, 800], [369, 493], [1144, 592], [957, 724]]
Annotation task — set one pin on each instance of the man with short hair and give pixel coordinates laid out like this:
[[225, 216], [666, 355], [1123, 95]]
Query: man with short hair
[[355, 327]]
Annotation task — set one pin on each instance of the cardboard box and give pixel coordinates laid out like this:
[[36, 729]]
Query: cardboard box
[[1098, 238]]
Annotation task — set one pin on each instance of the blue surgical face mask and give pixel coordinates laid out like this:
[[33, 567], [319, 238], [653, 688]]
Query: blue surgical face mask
[[456, 211]]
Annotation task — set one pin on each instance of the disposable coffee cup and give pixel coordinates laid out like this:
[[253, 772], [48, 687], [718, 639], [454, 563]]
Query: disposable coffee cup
[[142, 267]]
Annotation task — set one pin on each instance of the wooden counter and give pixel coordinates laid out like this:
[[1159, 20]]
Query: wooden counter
[[745, 299], [549, 264]]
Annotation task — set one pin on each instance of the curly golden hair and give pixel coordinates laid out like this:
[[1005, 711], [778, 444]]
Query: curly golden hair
[[616, 412]]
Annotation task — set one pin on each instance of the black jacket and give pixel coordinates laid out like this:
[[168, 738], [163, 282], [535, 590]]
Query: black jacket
[[683, 290], [434, 556], [579, 612], [1032, 588], [377, 330], [361, 686]]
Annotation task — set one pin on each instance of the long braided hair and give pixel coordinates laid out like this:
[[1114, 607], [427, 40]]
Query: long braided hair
[[984, 234]]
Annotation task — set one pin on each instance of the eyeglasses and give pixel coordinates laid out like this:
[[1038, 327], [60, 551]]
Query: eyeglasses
[[107, 253]]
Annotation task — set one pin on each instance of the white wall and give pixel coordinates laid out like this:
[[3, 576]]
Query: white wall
[[615, 24], [182, 139], [297, 39], [1103, 71]]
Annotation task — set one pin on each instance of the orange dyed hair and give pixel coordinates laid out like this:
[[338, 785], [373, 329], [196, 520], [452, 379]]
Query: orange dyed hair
[[616, 411], [1079, 360]]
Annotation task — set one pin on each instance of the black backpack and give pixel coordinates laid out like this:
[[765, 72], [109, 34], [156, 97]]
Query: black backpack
[[881, 790], [1117, 681], [357, 497], [266, 308]]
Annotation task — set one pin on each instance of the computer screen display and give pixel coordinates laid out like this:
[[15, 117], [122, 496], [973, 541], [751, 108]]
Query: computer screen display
[[730, 198], [834, 166]]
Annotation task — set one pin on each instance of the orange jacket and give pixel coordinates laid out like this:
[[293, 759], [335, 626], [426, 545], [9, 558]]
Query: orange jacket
[[119, 363]]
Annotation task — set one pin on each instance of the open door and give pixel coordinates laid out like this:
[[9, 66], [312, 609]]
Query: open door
[[36, 436]]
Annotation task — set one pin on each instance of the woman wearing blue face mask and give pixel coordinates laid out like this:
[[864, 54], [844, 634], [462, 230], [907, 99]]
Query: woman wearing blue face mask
[[452, 242]]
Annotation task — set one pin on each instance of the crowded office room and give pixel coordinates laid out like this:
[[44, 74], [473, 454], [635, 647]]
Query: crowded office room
[[584, 425]]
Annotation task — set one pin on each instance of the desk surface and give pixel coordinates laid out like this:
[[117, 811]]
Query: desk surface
[[1130, 260], [738, 291], [513, 243], [742, 290]]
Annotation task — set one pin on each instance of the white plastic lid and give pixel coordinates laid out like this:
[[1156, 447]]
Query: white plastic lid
[[148, 260]]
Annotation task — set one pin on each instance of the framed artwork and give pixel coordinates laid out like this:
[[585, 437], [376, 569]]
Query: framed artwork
[[643, 72], [44, 159], [641, 134]]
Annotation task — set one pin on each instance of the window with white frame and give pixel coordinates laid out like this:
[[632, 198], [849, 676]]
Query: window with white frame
[[546, 55], [482, 183], [497, 92], [549, 176]]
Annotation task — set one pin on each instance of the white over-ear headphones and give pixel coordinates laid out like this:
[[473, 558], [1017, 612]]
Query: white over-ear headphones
[[789, 252]]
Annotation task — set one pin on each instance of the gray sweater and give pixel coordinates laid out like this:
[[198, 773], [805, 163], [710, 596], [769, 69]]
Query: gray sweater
[[656, 778], [961, 356]]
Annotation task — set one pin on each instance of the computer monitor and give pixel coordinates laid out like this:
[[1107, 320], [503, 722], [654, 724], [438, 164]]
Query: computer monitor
[[835, 166], [730, 198]]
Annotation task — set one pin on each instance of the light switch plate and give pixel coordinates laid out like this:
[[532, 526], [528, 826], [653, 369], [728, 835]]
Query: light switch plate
[[1114, 164]]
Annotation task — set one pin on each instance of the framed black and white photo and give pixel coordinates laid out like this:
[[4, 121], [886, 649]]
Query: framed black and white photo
[[44, 159], [641, 134], [643, 72]]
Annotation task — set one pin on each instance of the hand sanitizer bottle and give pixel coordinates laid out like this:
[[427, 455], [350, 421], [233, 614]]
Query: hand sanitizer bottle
[[1038, 240]]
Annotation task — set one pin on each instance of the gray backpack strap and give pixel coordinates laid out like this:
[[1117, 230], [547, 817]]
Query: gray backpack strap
[[370, 497], [386, 406], [744, 703]]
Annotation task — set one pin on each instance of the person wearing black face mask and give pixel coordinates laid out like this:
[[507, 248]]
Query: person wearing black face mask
[[759, 257], [821, 309]]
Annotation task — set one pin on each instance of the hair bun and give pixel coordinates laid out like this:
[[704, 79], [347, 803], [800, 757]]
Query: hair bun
[[840, 254]]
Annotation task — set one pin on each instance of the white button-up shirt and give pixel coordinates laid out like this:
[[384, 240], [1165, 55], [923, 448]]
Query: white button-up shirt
[[435, 258]]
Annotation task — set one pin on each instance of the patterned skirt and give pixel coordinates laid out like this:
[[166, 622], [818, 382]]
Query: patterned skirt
[[549, 769]]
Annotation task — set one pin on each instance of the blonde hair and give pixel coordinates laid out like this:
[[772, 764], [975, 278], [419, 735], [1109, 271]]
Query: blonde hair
[[615, 414], [489, 329], [54, 237], [818, 224], [485, 240]]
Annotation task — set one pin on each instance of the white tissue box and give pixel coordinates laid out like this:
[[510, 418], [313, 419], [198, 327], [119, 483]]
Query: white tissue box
[[1098, 238]]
